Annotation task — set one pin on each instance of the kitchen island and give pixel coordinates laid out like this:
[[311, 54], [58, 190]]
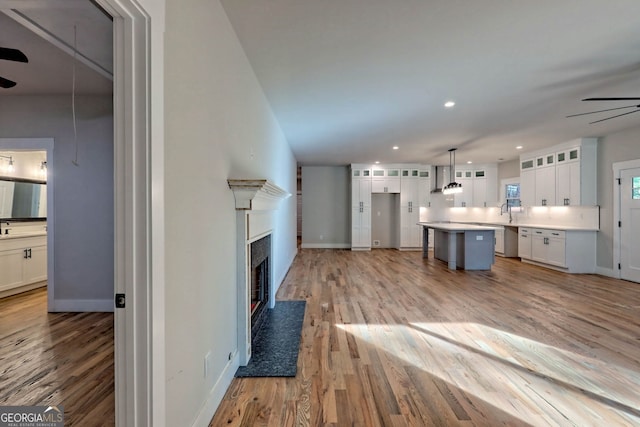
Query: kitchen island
[[470, 247]]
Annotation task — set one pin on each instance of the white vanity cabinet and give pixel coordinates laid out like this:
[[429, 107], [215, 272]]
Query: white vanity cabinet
[[23, 261]]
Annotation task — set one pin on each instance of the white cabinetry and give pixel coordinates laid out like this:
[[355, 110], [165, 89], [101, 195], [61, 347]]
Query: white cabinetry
[[568, 177], [548, 247], [499, 241], [23, 261], [524, 243], [424, 186], [479, 186], [360, 208], [385, 180], [545, 186], [410, 231], [560, 176], [573, 251]]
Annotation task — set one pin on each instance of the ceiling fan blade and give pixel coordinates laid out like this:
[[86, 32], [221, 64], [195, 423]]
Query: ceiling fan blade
[[613, 117], [12, 55], [611, 99], [6, 84], [600, 111]]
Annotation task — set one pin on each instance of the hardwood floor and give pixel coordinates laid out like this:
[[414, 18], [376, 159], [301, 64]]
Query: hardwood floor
[[57, 359], [390, 339]]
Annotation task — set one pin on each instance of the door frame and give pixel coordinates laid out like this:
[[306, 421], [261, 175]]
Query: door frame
[[618, 167], [139, 220]]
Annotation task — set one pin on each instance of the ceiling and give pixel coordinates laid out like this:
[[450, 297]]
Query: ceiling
[[347, 80], [44, 31]]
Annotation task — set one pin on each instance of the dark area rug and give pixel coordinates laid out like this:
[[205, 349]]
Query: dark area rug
[[275, 348]]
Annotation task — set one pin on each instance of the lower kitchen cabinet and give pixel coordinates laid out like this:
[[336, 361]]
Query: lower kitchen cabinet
[[573, 251], [23, 261], [507, 242]]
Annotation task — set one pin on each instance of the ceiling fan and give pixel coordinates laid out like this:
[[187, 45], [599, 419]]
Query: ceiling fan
[[637, 108], [10, 55]]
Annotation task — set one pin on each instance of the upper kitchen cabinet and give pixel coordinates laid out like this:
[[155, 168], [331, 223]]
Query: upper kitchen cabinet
[[385, 180], [479, 186], [563, 175]]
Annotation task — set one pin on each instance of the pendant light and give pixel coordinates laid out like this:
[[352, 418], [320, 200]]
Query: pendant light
[[452, 187]]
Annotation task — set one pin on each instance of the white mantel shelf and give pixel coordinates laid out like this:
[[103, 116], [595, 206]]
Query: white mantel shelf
[[256, 194]]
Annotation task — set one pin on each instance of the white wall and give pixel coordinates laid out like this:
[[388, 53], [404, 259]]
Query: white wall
[[326, 207], [218, 125], [83, 194]]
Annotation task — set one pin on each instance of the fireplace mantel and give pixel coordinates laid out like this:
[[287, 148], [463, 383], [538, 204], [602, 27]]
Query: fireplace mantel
[[256, 194]]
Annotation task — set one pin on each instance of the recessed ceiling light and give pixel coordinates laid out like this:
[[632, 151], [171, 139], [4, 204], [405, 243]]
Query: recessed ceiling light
[[449, 104], [469, 162], [395, 147], [377, 162], [519, 147]]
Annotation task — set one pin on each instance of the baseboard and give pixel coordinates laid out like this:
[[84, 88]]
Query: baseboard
[[21, 289], [609, 272], [217, 393], [325, 245], [82, 305]]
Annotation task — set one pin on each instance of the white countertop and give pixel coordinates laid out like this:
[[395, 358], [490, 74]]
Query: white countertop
[[22, 235], [524, 225], [456, 226]]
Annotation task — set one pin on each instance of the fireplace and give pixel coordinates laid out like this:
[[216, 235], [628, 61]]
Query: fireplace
[[260, 281], [256, 200]]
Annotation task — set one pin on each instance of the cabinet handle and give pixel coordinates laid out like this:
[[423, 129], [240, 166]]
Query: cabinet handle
[[566, 202], [544, 202], [546, 240], [524, 235], [29, 252], [26, 254], [556, 234]]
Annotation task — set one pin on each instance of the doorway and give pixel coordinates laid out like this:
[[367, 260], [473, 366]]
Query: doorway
[[630, 224], [626, 216]]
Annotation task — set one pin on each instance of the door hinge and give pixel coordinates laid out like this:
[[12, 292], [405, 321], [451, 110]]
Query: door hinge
[[119, 300], [619, 266], [619, 224], [619, 181]]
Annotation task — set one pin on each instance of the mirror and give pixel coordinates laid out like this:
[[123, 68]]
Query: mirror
[[22, 199]]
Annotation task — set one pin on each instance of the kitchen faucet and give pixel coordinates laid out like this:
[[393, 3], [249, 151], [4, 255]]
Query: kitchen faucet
[[507, 207]]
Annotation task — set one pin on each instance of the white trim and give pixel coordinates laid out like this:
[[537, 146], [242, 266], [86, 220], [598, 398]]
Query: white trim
[[83, 305], [41, 144], [217, 393], [608, 272], [325, 245], [139, 328], [256, 194], [618, 167], [503, 184]]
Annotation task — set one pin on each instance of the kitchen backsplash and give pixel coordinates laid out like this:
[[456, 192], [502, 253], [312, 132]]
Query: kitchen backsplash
[[573, 216]]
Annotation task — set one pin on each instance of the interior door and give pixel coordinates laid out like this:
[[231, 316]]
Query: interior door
[[630, 227]]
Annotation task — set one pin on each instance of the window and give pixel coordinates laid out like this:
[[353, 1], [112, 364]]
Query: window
[[635, 188], [512, 194]]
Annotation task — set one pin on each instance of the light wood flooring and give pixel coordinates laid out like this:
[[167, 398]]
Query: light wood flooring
[[57, 359], [390, 339]]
